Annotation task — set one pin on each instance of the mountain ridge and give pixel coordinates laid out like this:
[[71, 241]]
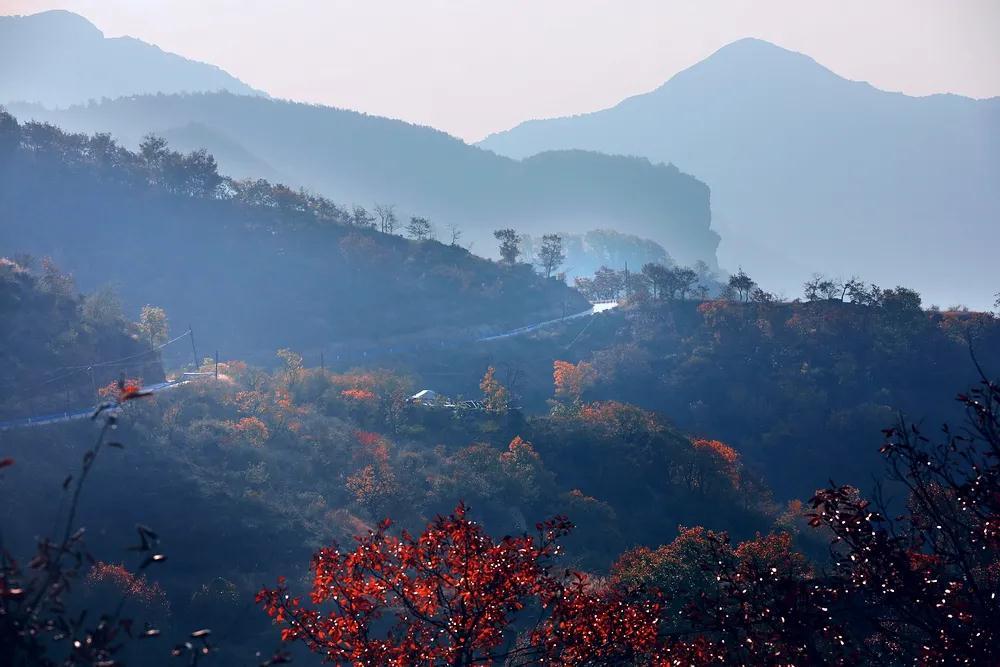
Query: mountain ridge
[[358, 158], [734, 45], [805, 162], [52, 55]]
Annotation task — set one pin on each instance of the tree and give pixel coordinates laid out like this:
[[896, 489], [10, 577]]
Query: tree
[[419, 229], [55, 281], [375, 483], [670, 282], [608, 283], [757, 295], [455, 233], [821, 287], [856, 290], [200, 174], [927, 578], [684, 280], [586, 287], [153, 150], [496, 398], [458, 598], [742, 284], [10, 132], [510, 245], [102, 307], [386, 217], [360, 217], [571, 380], [657, 276], [901, 305], [153, 325], [291, 360], [551, 253]]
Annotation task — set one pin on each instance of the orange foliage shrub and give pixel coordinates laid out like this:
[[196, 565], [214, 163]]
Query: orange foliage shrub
[[251, 430], [717, 449], [496, 398], [358, 394], [571, 380], [619, 419]]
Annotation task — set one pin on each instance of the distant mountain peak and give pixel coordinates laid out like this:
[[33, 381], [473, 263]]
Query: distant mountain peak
[[53, 57], [55, 18], [754, 44], [751, 54], [802, 159]]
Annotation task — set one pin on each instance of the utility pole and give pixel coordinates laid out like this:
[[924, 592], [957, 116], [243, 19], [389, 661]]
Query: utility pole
[[322, 362], [216, 364], [194, 350]]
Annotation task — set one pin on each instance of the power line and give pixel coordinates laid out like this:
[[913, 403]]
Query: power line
[[111, 363], [117, 362]]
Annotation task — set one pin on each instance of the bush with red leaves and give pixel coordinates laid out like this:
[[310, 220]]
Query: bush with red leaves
[[460, 598]]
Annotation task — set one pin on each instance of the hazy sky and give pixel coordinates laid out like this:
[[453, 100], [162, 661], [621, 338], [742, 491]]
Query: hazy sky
[[471, 67]]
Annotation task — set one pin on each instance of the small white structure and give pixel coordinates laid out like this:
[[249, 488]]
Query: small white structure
[[425, 397]]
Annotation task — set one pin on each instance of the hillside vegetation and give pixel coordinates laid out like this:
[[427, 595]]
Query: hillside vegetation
[[360, 159], [262, 467], [52, 338], [801, 388], [252, 265]]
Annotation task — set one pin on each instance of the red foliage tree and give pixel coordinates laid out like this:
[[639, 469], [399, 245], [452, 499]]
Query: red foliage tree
[[753, 604], [928, 580], [619, 419], [571, 380], [459, 598]]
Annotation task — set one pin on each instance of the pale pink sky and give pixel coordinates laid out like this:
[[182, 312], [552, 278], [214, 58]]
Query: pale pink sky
[[471, 67]]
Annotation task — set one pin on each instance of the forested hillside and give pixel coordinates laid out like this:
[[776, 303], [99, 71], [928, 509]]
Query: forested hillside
[[360, 159], [252, 265], [52, 338], [801, 388], [262, 467], [286, 383]]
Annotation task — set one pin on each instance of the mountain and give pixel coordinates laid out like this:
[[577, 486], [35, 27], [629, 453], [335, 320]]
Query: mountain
[[58, 58], [812, 172], [253, 266], [361, 159]]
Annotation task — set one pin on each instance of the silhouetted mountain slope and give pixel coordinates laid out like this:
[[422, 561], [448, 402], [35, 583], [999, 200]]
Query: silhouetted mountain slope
[[812, 172], [58, 58], [357, 158], [254, 267]]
